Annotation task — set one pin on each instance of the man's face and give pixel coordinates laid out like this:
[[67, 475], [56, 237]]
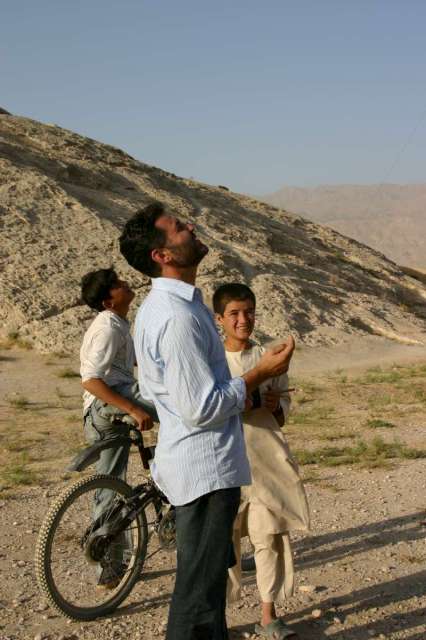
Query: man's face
[[238, 319], [185, 249], [120, 295]]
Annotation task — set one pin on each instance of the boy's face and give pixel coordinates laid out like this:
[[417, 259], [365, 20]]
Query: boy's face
[[120, 295], [238, 319]]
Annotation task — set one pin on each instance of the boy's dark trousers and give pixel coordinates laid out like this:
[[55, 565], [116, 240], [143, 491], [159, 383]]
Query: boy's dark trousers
[[204, 553]]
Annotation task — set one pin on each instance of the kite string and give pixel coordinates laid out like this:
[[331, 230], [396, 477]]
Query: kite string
[[404, 147]]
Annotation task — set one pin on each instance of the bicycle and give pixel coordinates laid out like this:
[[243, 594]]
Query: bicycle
[[73, 545]]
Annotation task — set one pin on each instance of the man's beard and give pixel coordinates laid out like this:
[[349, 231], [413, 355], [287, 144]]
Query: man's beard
[[190, 255]]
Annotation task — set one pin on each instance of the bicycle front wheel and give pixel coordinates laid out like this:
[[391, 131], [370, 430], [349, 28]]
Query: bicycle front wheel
[[83, 567]]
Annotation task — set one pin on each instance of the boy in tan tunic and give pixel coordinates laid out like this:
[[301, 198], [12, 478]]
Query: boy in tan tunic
[[275, 503]]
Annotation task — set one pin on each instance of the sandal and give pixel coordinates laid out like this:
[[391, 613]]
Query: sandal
[[275, 630]]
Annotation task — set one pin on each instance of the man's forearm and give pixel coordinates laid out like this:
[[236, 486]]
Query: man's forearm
[[101, 390]]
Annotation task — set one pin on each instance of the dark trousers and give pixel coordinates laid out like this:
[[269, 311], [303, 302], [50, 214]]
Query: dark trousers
[[204, 553]]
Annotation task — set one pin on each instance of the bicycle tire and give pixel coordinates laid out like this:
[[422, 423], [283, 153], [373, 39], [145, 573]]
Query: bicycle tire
[[45, 539]]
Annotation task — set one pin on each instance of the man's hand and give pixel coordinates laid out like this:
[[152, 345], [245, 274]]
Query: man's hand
[[144, 421], [276, 361], [273, 363]]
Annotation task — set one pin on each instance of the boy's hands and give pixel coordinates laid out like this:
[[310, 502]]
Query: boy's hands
[[248, 404], [144, 421], [276, 360], [98, 388], [271, 400]]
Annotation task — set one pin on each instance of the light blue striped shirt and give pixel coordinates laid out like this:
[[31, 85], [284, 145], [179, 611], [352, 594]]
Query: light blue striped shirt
[[182, 368]]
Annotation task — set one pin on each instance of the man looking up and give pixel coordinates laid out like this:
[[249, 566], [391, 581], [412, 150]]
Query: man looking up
[[200, 460]]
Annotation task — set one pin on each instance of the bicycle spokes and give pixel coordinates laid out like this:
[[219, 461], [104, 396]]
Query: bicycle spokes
[[92, 552]]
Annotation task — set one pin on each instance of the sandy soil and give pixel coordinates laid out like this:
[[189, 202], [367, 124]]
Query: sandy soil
[[363, 567]]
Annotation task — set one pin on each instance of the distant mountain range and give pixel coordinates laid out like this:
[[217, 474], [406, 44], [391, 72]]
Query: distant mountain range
[[388, 217]]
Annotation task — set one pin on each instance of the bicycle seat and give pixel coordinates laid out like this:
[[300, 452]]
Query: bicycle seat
[[92, 454]]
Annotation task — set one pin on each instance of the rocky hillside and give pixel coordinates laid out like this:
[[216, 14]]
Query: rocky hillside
[[64, 199], [388, 217]]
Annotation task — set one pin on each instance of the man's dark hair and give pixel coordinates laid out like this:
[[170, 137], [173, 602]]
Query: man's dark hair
[[232, 291], [140, 236], [96, 287]]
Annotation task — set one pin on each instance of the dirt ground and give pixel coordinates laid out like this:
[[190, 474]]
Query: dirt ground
[[358, 428]]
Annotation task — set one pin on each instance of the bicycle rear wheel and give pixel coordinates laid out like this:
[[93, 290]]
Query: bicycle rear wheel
[[76, 551]]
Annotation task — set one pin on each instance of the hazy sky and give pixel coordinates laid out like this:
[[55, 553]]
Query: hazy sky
[[248, 94]]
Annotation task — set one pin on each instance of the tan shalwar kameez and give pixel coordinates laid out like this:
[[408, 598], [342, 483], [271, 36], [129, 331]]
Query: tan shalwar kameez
[[275, 503]]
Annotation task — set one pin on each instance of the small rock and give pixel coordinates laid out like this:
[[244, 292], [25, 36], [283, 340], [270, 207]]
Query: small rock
[[23, 599], [308, 588], [316, 613], [21, 563], [337, 620], [41, 636]]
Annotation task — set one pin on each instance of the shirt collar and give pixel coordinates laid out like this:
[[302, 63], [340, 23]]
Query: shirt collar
[[116, 317], [177, 287]]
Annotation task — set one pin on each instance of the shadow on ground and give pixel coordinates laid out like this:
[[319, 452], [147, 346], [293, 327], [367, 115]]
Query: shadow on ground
[[377, 597], [319, 550]]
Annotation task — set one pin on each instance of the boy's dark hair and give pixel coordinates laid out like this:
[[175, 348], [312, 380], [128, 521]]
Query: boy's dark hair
[[232, 291], [140, 236], [96, 287]]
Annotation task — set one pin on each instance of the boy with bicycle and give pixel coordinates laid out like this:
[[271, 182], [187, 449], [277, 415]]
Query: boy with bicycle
[[110, 389]]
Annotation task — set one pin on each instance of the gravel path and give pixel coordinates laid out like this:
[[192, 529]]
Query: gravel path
[[360, 575]]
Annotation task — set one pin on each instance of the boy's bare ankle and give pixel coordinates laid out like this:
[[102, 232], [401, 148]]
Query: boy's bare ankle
[[268, 613]]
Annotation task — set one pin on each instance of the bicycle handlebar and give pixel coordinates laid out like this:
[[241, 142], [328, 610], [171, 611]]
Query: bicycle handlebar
[[136, 438], [145, 452]]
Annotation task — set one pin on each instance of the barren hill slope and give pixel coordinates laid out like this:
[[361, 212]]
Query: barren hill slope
[[388, 217], [64, 199]]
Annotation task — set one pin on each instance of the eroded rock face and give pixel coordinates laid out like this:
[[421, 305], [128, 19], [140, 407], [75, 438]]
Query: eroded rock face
[[64, 199]]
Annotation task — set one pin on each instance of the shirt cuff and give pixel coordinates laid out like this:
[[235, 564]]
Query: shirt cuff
[[90, 375], [239, 386]]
